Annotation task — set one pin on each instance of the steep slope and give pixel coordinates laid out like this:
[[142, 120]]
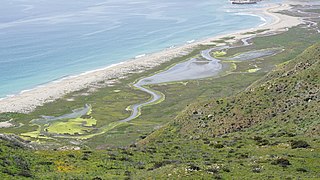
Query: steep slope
[[289, 94], [269, 131]]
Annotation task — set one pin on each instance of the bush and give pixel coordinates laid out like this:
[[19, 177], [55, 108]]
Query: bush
[[97, 178], [25, 173], [86, 116], [302, 170], [242, 155], [85, 157], [299, 144], [48, 163], [256, 169], [281, 162], [260, 141], [218, 146], [213, 170], [71, 155], [193, 167], [159, 164], [225, 169]]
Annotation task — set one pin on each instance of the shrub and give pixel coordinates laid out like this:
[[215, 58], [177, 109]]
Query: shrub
[[299, 144], [242, 155], [256, 169], [213, 170], [225, 169], [127, 173], [97, 178], [85, 157], [162, 163], [85, 116], [25, 173], [302, 170], [218, 146], [71, 155], [140, 165], [257, 138], [48, 163], [260, 141], [87, 152], [281, 162], [193, 167]]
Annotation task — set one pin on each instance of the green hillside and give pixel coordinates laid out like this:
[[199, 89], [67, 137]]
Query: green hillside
[[269, 131], [287, 96]]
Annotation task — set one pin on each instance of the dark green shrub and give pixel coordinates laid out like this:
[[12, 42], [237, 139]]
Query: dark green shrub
[[260, 141], [25, 173], [193, 167], [97, 178], [299, 144], [86, 116], [213, 170], [281, 162], [226, 169], [301, 170], [140, 165], [71, 155], [218, 146], [46, 163], [243, 155], [87, 152], [85, 157], [127, 173]]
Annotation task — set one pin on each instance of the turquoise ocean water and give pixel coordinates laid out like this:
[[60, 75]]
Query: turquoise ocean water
[[44, 40]]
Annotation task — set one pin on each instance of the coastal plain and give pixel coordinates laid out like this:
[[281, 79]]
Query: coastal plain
[[186, 134]]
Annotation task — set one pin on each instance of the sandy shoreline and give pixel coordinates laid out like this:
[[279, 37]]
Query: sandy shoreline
[[28, 100]]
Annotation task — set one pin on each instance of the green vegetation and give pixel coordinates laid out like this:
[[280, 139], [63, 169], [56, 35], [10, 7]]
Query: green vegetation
[[228, 38], [79, 125], [72, 126], [219, 53], [258, 120], [269, 131], [253, 70], [109, 104]]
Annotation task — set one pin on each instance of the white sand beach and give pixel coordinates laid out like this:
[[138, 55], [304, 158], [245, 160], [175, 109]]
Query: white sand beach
[[27, 101]]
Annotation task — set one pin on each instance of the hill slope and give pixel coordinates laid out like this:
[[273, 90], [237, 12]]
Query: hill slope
[[269, 131], [288, 95]]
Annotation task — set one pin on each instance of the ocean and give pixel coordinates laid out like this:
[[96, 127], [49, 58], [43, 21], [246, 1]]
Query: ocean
[[44, 40]]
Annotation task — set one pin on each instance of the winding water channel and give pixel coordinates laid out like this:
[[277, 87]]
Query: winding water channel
[[195, 68], [202, 66]]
